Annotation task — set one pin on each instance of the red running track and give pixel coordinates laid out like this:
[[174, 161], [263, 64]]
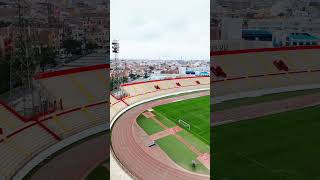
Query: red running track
[[75, 163], [130, 154]]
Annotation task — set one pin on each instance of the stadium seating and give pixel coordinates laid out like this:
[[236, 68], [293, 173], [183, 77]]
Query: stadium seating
[[140, 91], [16, 150], [83, 92], [76, 87], [8, 121], [255, 62], [266, 69], [76, 121], [116, 106]]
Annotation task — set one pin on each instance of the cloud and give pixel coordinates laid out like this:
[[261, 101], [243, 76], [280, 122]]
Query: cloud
[[166, 29]]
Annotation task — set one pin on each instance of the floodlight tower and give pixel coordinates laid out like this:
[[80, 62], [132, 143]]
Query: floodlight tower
[[115, 50]]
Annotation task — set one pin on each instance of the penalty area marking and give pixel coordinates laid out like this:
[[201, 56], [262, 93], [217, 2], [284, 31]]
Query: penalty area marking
[[204, 158]]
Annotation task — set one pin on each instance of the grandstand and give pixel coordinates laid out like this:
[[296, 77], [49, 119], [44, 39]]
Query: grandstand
[[143, 92], [9, 120], [25, 142], [274, 94], [82, 82], [264, 71]]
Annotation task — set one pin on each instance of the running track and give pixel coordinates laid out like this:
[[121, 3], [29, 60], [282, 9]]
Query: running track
[[77, 162], [263, 109], [136, 161]]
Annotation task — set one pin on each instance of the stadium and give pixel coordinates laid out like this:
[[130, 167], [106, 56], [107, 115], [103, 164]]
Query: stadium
[[55, 143], [265, 109], [160, 129]]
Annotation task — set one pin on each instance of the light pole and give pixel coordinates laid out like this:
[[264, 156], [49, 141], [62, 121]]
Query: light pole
[[116, 78]]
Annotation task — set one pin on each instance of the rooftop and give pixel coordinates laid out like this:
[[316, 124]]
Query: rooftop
[[302, 36], [256, 32]]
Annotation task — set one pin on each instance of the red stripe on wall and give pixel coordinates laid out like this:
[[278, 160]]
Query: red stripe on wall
[[244, 51], [70, 71]]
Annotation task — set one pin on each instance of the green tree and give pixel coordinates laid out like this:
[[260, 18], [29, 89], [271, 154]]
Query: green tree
[[91, 46], [72, 46], [132, 76], [4, 74], [146, 75], [124, 79], [47, 57]]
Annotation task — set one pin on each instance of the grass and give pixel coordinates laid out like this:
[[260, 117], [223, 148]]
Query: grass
[[283, 146], [148, 125], [194, 141], [195, 111], [185, 156], [260, 99], [100, 172], [167, 122]]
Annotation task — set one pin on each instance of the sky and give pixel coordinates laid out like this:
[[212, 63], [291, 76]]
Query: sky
[[161, 29]]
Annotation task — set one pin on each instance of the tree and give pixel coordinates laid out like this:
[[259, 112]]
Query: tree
[[111, 84], [5, 74], [146, 75], [47, 57], [5, 24], [124, 79], [134, 76], [91, 46], [72, 46]]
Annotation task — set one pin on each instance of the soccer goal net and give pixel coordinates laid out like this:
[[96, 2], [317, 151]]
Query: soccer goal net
[[184, 124]]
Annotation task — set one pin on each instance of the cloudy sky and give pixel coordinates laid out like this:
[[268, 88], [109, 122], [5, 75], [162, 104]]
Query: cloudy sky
[[161, 29]]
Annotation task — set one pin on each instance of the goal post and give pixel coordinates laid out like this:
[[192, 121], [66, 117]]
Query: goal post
[[184, 124]]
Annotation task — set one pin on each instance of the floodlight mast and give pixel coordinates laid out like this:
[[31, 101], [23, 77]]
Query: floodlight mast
[[116, 74], [115, 50]]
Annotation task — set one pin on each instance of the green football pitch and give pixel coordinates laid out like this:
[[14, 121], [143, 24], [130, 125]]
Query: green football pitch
[[283, 146], [195, 112]]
